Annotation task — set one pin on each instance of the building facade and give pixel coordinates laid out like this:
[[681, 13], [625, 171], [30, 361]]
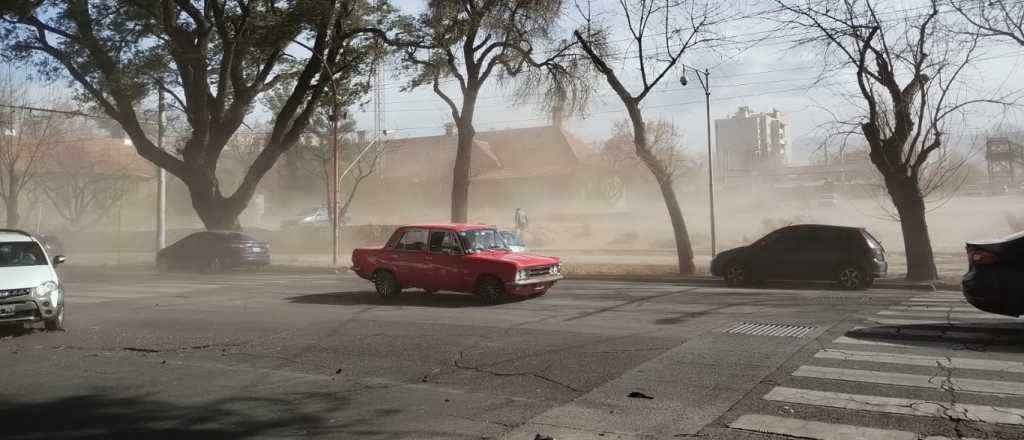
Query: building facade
[[748, 142]]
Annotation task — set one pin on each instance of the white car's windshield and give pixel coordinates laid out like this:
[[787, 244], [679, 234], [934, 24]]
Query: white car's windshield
[[21, 253], [478, 240], [511, 238]]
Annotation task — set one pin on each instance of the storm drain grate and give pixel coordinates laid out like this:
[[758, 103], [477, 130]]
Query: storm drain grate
[[753, 328]]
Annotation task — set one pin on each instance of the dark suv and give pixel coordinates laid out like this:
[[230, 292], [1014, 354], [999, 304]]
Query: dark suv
[[214, 252], [847, 255]]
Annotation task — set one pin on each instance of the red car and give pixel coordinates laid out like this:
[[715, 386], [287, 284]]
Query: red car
[[458, 258]]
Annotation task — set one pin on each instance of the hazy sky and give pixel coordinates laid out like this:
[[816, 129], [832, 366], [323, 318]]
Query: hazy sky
[[761, 69], [758, 67]]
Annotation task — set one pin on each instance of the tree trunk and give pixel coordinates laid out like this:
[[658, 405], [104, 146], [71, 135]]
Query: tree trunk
[[684, 249], [460, 175], [13, 213], [663, 175], [911, 208], [216, 211]]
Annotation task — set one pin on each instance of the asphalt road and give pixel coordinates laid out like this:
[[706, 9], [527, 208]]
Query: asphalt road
[[261, 355]]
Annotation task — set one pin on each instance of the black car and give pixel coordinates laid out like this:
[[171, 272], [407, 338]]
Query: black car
[[847, 255], [995, 277], [214, 251]]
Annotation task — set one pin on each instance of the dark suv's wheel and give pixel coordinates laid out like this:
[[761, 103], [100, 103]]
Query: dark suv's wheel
[[56, 323], [491, 290], [737, 274], [851, 277], [386, 284]]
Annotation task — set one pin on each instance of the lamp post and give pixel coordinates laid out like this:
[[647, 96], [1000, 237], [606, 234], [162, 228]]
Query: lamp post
[[335, 189], [161, 179], [705, 83]]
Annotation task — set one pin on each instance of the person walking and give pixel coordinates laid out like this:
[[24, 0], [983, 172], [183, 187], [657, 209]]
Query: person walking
[[520, 221]]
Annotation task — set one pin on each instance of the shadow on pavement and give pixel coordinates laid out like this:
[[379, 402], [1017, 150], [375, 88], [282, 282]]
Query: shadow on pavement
[[997, 336], [95, 416], [407, 298], [15, 330]]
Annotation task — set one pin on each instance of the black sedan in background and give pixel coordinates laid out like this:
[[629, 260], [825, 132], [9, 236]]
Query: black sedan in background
[[847, 255], [995, 277], [213, 252]]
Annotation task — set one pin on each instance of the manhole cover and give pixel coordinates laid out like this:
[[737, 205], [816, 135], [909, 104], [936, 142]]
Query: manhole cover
[[753, 328]]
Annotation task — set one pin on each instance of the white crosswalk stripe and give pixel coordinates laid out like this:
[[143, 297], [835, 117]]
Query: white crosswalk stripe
[[912, 380], [816, 430], [894, 405], [926, 361], [914, 334], [935, 308], [960, 315]]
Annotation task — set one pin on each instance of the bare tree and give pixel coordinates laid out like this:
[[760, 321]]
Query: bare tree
[[213, 57], [473, 41], [660, 33], [84, 183], [25, 137], [993, 18], [909, 69]]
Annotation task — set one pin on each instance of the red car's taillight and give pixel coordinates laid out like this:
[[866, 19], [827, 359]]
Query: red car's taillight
[[982, 257]]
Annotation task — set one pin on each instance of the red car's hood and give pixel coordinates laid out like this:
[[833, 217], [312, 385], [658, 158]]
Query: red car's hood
[[520, 260]]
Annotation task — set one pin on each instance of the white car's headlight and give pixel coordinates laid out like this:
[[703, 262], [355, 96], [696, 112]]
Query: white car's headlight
[[44, 289]]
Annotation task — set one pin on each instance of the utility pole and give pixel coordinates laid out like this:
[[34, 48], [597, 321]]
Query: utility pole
[[161, 179], [705, 82], [335, 221]]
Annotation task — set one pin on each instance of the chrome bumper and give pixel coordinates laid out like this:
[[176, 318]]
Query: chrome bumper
[[537, 280]]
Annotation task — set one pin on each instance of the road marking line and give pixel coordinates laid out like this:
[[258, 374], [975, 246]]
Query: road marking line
[[912, 380], [938, 300], [962, 324], [934, 308], [815, 430], [976, 334], [916, 344], [943, 315], [892, 405], [927, 361]]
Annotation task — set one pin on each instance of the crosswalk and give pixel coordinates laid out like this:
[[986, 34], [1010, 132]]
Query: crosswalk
[[931, 357]]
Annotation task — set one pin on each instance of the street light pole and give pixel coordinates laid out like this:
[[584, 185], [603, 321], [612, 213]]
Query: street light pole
[[161, 180], [335, 184], [705, 83]]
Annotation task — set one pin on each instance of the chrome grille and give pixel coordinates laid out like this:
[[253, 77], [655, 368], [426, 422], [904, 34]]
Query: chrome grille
[[538, 271], [10, 293]]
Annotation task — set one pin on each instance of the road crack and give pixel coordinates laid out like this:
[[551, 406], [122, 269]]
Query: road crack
[[459, 365]]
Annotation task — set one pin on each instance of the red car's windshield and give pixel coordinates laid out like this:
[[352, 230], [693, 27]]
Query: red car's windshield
[[479, 240]]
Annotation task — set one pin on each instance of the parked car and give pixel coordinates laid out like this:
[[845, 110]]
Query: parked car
[[994, 281], [457, 258], [309, 217], [512, 240], [213, 252], [847, 255], [30, 290]]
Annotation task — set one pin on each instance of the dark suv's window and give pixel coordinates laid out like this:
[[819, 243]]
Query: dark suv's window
[[21, 253]]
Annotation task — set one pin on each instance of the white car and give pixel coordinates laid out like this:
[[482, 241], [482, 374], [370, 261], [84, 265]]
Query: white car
[[512, 240], [30, 290]]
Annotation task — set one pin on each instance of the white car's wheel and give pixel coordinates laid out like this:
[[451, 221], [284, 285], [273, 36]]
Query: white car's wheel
[[57, 323]]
